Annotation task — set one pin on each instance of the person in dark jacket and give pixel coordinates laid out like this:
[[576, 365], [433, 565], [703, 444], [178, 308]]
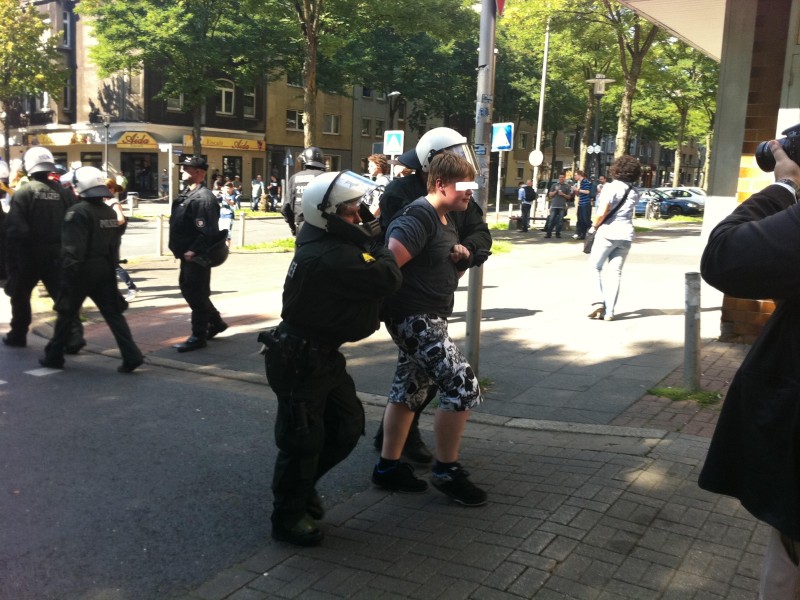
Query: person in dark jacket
[[313, 165], [473, 234], [193, 229], [90, 252], [33, 245], [754, 454], [332, 295]]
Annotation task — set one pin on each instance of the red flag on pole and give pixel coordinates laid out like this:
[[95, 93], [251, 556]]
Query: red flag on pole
[[500, 6]]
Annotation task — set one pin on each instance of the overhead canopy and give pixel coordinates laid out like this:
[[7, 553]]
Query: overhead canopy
[[698, 23]]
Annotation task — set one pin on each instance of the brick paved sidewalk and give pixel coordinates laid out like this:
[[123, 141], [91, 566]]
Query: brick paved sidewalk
[[718, 364]]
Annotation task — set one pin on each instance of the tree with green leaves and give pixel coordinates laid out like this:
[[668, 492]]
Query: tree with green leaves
[[30, 63], [191, 42]]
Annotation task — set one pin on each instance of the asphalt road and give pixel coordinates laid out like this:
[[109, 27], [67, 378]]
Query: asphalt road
[[133, 487]]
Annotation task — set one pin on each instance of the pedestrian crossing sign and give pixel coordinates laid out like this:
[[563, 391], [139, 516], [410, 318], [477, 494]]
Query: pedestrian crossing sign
[[502, 136], [393, 142]]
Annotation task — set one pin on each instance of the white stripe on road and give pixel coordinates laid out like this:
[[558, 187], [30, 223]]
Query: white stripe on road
[[43, 371]]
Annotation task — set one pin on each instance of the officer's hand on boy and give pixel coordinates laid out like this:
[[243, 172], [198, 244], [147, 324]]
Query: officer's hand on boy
[[459, 253]]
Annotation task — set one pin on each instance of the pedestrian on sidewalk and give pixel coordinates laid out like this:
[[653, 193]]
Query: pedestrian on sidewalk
[[613, 229], [425, 242], [193, 230], [90, 249], [332, 295], [559, 195], [526, 195], [473, 234], [583, 189], [754, 453], [33, 245], [122, 222]]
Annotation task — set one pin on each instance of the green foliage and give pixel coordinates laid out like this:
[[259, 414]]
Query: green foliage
[[703, 398], [29, 59]]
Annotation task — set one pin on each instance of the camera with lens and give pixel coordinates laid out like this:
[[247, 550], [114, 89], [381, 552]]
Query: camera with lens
[[790, 145]]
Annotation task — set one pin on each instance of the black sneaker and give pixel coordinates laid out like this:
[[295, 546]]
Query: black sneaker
[[455, 483], [399, 479]]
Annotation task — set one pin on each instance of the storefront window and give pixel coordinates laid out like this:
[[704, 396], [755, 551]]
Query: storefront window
[[92, 159], [231, 166]]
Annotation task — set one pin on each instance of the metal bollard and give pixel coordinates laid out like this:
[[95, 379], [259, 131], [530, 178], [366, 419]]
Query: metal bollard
[[691, 347], [160, 235], [241, 230]]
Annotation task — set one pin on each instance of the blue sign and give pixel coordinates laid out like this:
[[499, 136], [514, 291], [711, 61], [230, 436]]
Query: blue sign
[[502, 136], [393, 142]]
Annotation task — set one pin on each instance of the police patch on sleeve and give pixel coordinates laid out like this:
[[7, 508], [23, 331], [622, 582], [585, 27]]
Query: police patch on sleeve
[[200, 223], [368, 258]]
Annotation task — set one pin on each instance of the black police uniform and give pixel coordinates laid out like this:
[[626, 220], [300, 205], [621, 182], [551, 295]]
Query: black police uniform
[[90, 252], [293, 209], [331, 295], [473, 234], [194, 225], [33, 252]]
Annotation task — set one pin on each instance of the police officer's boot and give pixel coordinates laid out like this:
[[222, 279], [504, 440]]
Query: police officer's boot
[[303, 533], [192, 343]]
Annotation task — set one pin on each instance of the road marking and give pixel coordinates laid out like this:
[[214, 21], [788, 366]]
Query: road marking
[[43, 371]]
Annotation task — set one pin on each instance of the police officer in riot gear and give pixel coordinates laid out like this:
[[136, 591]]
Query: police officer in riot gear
[[313, 165], [193, 230], [331, 296], [90, 252], [33, 245], [473, 234]]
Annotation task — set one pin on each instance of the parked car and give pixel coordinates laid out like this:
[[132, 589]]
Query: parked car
[[682, 193], [645, 196], [673, 207]]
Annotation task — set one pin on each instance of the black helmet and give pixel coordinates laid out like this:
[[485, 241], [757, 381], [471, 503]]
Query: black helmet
[[313, 157], [217, 252]]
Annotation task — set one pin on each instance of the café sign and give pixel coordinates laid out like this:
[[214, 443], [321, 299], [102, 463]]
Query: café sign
[[137, 140], [227, 143]]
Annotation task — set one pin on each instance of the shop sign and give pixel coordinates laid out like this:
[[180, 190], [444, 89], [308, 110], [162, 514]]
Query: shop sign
[[57, 138], [227, 143], [137, 140]]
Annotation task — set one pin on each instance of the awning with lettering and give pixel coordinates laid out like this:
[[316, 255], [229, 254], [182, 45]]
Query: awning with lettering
[[227, 143], [137, 140]]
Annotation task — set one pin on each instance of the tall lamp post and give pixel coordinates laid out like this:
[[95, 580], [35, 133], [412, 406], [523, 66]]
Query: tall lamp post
[[599, 81], [393, 109], [106, 124]]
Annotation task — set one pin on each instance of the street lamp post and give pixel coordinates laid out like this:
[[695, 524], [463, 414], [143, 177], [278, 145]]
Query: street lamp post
[[392, 110], [599, 81], [287, 162], [106, 124]]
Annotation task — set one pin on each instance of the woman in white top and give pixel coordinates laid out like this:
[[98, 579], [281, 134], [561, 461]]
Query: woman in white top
[[613, 228]]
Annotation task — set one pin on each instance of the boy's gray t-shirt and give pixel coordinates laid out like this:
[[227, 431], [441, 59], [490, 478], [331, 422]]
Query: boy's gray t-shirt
[[430, 278]]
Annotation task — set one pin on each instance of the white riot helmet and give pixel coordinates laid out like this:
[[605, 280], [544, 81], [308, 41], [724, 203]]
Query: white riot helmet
[[326, 192], [39, 160], [89, 182], [435, 141]]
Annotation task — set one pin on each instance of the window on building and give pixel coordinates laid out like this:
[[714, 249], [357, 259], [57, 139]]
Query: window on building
[[294, 120], [380, 127], [92, 159], [175, 103], [66, 98], [66, 28], [569, 140], [333, 162], [41, 102], [520, 171], [380, 95], [225, 97], [330, 124], [294, 78], [366, 127], [523, 140], [366, 92], [249, 103], [232, 166]]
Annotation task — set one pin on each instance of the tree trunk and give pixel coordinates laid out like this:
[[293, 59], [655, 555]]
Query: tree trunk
[[309, 12], [676, 175]]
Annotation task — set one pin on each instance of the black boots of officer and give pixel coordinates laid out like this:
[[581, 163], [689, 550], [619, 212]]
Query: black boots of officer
[[195, 342], [414, 449]]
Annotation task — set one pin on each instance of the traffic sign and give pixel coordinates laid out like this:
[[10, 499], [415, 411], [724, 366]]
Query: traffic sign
[[393, 142], [502, 136], [501, 4]]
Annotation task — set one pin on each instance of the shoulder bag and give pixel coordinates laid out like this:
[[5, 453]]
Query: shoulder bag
[[588, 242]]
